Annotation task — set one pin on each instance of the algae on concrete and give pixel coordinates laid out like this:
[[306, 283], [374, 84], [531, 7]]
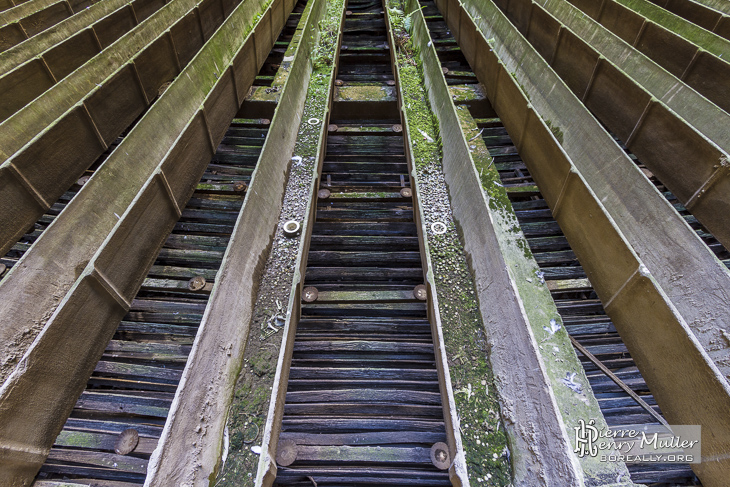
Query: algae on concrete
[[483, 437]]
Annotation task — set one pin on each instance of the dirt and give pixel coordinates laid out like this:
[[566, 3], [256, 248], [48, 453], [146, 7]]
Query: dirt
[[249, 409]]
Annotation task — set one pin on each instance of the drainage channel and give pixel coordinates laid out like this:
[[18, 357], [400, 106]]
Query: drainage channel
[[363, 401], [608, 365], [118, 420]]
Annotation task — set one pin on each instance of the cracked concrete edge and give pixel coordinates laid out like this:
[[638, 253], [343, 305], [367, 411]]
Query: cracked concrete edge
[[482, 221], [458, 473], [198, 412], [694, 279]]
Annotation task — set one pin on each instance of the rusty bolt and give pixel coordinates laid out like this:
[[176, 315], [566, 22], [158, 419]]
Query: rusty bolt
[[265, 121], [397, 128], [332, 128], [323, 194], [339, 82], [349, 12], [310, 294], [420, 293], [239, 186], [445, 70], [196, 283], [83, 180], [390, 82], [406, 192]]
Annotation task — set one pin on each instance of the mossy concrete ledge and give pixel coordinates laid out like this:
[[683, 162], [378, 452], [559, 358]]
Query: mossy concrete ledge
[[530, 349], [660, 284], [60, 128], [693, 54], [39, 43], [198, 412], [679, 135], [126, 221]]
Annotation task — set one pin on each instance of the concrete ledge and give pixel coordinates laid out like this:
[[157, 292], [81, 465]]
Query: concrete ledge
[[198, 412], [105, 10], [48, 144], [162, 159], [719, 5], [30, 18], [712, 18], [689, 164], [696, 56], [689, 273], [516, 307], [586, 179]]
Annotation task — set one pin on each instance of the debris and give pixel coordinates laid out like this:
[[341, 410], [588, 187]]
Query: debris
[[570, 382], [439, 228], [554, 326], [425, 136], [477, 135]]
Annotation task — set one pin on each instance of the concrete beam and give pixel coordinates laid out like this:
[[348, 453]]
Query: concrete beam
[[28, 19], [125, 222], [719, 5], [694, 55], [6, 4], [699, 12], [664, 136], [458, 473], [517, 308], [199, 410], [266, 471], [657, 279], [48, 144], [113, 25]]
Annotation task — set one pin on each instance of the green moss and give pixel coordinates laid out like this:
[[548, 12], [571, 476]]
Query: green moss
[[557, 132], [483, 438], [248, 412]]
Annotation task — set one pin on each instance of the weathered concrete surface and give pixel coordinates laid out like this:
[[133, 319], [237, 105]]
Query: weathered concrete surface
[[516, 306], [458, 469], [719, 5], [689, 52], [28, 19], [97, 272], [108, 10], [266, 471], [637, 251], [26, 9], [690, 164], [74, 121], [708, 14], [198, 412]]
